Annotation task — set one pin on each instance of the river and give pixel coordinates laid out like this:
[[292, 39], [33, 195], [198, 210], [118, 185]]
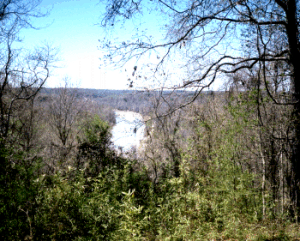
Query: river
[[128, 130]]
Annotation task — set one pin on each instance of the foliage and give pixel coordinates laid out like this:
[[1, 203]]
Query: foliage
[[18, 192], [94, 147], [223, 168]]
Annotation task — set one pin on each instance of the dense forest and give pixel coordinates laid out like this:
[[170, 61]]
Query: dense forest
[[213, 165]]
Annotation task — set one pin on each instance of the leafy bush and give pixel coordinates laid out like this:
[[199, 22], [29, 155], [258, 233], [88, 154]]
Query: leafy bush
[[18, 191], [94, 153]]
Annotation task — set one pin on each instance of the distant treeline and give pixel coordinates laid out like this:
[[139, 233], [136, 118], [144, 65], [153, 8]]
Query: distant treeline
[[132, 100]]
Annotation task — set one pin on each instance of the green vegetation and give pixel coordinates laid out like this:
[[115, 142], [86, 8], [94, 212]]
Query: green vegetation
[[223, 167], [216, 194]]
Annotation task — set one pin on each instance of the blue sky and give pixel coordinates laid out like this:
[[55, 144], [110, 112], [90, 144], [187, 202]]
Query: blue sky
[[72, 27]]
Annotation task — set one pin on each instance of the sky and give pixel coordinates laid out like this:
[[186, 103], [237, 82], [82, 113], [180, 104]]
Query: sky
[[72, 28]]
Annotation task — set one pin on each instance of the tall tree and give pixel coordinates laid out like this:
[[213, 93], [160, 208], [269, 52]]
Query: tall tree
[[22, 74], [221, 38]]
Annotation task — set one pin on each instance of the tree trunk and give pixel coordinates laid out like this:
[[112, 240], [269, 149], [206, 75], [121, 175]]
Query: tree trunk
[[294, 51]]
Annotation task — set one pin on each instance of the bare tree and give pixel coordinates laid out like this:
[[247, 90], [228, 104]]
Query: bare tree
[[221, 38], [64, 112], [22, 74], [21, 81], [268, 29]]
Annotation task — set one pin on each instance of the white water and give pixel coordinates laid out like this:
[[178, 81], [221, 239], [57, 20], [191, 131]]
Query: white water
[[128, 131]]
